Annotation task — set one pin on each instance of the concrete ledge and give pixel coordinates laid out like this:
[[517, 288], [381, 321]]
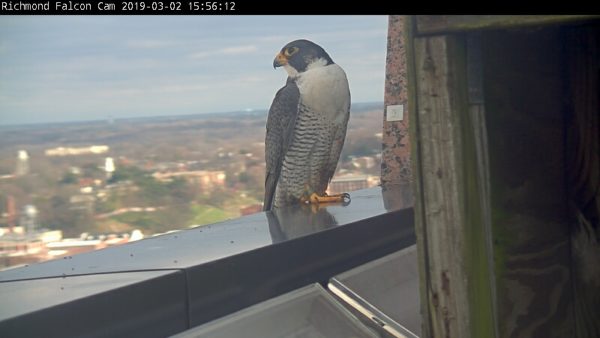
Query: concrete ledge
[[199, 274]]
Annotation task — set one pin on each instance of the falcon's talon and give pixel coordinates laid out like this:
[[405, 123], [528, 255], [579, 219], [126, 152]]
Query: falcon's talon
[[316, 199]]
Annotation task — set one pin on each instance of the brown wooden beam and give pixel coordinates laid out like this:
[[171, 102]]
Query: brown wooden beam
[[438, 24], [454, 258]]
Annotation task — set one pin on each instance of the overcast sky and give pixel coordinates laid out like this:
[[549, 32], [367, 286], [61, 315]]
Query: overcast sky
[[65, 68]]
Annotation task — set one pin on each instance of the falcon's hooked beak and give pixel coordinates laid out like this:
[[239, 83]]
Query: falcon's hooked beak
[[280, 60]]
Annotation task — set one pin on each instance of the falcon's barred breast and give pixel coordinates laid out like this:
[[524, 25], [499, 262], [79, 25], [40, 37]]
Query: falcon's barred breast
[[306, 127]]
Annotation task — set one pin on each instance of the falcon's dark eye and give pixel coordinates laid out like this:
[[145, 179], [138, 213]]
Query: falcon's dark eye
[[291, 51]]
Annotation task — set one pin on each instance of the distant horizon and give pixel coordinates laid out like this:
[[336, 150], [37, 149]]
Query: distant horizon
[[165, 116], [78, 68]]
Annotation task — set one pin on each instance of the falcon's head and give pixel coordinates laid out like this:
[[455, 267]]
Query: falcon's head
[[301, 55]]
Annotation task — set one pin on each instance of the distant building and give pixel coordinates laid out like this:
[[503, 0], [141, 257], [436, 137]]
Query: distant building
[[86, 182], [11, 212], [74, 246], [18, 247], [18, 250], [28, 218], [22, 167], [82, 202], [363, 162], [167, 166], [74, 151], [85, 243], [207, 180], [109, 167], [351, 182]]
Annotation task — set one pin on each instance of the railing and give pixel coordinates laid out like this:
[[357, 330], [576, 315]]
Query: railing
[[167, 284]]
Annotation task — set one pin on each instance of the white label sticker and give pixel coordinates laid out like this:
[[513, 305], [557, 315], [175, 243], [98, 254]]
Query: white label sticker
[[395, 113]]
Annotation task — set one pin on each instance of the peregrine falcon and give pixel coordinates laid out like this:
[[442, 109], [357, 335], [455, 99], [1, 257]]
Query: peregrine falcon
[[306, 127]]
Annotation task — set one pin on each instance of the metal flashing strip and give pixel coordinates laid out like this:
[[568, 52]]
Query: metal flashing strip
[[308, 311], [368, 310], [385, 291]]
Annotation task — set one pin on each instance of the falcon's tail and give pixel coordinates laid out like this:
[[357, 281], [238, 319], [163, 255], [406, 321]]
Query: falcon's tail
[[270, 184]]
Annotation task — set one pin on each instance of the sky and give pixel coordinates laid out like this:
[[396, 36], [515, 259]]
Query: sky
[[74, 68]]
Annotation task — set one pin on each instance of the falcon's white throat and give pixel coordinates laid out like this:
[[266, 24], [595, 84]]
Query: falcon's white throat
[[292, 72]]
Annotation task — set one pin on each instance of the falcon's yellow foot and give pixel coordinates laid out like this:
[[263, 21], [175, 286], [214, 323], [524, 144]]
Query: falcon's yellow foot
[[338, 198]]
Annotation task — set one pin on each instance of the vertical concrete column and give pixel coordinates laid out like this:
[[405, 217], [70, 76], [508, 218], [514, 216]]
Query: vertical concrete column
[[396, 174]]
